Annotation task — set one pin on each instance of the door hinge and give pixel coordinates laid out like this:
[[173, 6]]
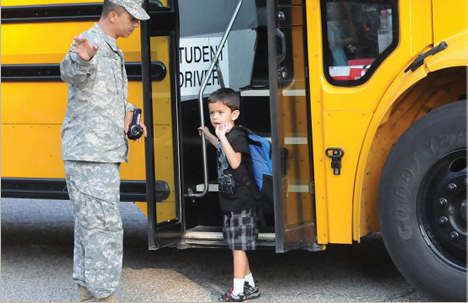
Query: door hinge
[[311, 187]]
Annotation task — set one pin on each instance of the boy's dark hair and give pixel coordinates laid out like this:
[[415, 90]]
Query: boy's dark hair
[[227, 96], [109, 6]]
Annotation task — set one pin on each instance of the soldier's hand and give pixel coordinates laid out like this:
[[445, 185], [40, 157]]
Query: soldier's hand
[[128, 121], [84, 49], [144, 129]]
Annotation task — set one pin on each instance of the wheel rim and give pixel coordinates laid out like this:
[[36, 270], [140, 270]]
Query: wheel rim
[[442, 208]]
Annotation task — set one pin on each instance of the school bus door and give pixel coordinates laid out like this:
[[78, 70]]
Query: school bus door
[[290, 127], [159, 45]]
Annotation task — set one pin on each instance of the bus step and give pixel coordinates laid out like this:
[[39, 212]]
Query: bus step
[[211, 187], [203, 235]]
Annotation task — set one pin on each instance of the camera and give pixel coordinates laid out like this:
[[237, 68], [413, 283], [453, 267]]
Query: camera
[[135, 130]]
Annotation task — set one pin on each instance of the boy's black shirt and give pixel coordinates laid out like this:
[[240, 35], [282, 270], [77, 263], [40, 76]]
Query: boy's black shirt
[[234, 194]]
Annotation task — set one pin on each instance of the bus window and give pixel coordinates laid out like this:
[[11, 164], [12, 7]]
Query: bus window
[[357, 37]]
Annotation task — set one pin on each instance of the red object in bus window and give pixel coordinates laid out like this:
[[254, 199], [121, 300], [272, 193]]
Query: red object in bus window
[[361, 61]]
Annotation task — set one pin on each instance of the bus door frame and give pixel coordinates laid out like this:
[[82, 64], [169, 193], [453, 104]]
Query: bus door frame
[[164, 22], [291, 232]]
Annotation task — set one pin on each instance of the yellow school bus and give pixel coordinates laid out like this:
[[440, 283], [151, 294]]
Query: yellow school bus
[[364, 102]]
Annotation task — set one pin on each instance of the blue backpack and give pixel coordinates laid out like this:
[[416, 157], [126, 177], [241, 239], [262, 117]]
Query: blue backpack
[[262, 165]]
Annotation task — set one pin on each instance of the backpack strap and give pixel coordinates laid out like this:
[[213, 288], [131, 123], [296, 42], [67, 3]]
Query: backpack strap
[[250, 185]]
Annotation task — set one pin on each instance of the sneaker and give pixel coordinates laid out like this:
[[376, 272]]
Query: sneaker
[[251, 292], [228, 296]]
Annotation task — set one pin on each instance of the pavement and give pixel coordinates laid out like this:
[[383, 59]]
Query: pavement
[[37, 257]]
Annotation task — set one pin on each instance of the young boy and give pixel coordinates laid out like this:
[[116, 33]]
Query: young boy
[[236, 196]]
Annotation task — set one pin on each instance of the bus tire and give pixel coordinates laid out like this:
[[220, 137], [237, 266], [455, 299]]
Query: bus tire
[[422, 203]]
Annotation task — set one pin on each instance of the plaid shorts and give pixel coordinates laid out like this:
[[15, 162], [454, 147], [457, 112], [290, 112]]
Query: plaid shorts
[[240, 229]]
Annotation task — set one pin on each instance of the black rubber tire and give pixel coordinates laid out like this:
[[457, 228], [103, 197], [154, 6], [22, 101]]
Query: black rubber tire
[[420, 147]]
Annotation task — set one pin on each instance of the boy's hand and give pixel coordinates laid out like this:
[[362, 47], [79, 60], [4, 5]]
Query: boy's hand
[[203, 129], [84, 49], [221, 130], [208, 135]]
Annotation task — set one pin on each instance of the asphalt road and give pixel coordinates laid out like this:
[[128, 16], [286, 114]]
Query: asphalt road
[[37, 256]]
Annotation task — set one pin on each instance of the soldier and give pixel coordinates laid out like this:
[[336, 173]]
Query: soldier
[[94, 143]]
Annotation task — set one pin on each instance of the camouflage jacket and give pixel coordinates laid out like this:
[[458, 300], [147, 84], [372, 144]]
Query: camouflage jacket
[[94, 125]]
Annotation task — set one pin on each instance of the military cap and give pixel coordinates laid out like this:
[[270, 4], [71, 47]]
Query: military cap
[[134, 8]]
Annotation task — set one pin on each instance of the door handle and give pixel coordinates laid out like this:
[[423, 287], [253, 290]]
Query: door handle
[[200, 102], [282, 55]]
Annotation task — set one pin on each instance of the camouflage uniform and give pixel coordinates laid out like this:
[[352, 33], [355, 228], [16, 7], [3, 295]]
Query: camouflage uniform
[[94, 143], [94, 190], [94, 125]]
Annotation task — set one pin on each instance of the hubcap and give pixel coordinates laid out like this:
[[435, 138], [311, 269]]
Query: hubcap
[[442, 208]]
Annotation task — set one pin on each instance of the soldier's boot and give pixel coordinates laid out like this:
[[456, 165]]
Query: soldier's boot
[[111, 298], [84, 295]]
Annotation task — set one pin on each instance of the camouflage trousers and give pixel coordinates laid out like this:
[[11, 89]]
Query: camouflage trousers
[[94, 192]]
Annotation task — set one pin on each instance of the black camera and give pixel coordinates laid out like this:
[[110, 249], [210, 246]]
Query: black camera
[[135, 130]]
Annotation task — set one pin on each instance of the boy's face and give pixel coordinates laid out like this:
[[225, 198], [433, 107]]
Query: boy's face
[[221, 114]]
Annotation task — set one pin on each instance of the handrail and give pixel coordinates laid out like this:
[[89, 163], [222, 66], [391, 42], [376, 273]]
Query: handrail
[[200, 101]]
